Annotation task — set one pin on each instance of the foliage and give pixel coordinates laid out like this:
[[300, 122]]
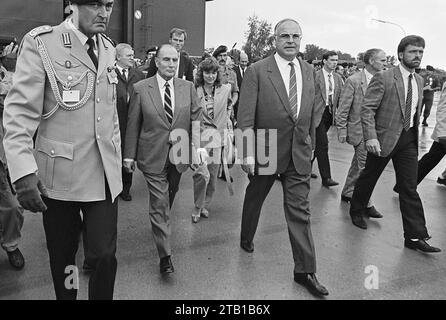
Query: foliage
[[259, 39]]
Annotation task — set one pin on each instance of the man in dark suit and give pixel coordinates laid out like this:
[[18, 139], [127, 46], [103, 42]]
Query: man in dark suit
[[330, 86], [277, 105], [185, 66], [127, 77], [240, 73], [390, 116], [161, 109]]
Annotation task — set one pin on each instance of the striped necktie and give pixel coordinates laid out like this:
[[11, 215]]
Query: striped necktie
[[330, 91], [168, 103], [408, 104], [293, 91]]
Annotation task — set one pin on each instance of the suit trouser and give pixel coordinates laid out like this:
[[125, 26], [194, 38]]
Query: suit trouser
[[405, 161], [321, 150], [427, 103], [296, 204], [11, 214], [430, 160], [127, 178], [63, 226], [162, 190]]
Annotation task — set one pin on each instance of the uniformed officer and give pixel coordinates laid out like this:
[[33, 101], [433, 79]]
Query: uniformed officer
[[64, 85]]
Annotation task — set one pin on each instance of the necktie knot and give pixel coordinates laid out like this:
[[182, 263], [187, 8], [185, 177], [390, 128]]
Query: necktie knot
[[167, 86]]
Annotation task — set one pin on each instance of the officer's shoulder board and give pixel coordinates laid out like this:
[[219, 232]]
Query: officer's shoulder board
[[40, 30], [112, 42]]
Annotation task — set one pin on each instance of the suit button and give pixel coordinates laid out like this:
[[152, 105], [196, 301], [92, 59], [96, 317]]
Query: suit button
[[70, 78], [52, 152], [99, 119], [97, 82], [98, 100], [98, 137]]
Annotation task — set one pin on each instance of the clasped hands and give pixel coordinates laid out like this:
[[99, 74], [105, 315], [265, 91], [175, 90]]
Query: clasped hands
[[202, 156]]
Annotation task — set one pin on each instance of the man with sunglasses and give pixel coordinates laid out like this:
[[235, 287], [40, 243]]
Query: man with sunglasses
[[65, 86]]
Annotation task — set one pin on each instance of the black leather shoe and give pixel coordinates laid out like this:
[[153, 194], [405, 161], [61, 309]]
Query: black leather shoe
[[373, 213], [421, 245], [425, 123], [166, 265], [441, 181], [313, 175], [246, 245], [309, 281], [346, 199], [329, 182], [16, 259], [358, 220], [125, 196]]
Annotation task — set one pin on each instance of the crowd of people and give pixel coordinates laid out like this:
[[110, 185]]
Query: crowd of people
[[80, 116]]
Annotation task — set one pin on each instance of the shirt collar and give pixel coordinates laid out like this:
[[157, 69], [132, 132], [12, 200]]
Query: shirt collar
[[405, 73], [162, 81], [283, 62], [81, 36], [368, 75], [326, 73], [121, 68]]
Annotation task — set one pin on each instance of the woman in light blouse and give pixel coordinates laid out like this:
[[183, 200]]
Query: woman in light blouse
[[215, 101]]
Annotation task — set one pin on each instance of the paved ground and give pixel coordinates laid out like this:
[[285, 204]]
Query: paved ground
[[210, 265]]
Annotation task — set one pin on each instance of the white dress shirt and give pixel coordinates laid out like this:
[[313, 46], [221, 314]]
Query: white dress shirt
[[161, 85], [285, 69], [121, 69], [368, 76], [327, 85], [406, 74]]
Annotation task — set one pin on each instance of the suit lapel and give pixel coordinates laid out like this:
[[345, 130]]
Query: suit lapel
[[181, 66], [79, 52], [420, 83], [277, 82], [306, 78], [154, 93], [179, 96], [102, 54], [120, 75], [321, 80], [399, 83]]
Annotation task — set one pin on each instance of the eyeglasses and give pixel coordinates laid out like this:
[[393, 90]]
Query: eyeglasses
[[286, 36]]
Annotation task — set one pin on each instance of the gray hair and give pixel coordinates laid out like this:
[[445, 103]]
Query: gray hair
[[120, 47]]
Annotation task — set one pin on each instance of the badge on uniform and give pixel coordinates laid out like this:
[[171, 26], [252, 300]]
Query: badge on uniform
[[112, 77], [71, 96]]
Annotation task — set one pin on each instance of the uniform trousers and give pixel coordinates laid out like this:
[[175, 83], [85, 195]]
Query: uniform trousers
[[296, 188], [63, 225]]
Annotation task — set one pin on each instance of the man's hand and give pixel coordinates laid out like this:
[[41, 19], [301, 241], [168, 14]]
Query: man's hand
[[342, 138], [28, 190], [10, 48], [248, 165], [202, 155], [129, 165], [373, 146]]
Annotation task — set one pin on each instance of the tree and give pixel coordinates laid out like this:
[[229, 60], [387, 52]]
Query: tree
[[259, 39], [313, 52]]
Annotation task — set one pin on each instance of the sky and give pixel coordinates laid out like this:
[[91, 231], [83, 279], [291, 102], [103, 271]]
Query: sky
[[343, 25]]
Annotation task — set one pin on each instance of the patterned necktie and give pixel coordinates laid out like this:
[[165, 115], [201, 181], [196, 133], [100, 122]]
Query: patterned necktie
[[91, 53], [124, 74], [168, 103], [330, 91], [408, 104], [293, 91]]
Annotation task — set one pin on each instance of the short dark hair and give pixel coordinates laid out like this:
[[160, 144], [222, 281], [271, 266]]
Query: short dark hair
[[177, 31], [369, 54], [328, 54], [219, 50], [207, 65], [410, 40], [430, 68]]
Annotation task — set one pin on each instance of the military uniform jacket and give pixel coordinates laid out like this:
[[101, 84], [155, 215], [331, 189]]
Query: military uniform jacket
[[75, 149]]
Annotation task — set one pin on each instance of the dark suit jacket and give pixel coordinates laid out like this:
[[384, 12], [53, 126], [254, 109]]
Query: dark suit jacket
[[186, 68], [264, 104], [321, 97], [383, 108], [239, 83], [148, 138], [124, 90]]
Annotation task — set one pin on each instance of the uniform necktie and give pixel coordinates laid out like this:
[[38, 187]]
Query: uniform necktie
[[91, 53], [168, 103], [293, 91], [408, 104], [330, 91]]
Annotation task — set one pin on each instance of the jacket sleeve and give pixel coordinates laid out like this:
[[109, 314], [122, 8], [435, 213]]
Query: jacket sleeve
[[151, 71], [370, 104], [190, 70], [441, 115], [23, 110], [343, 110], [134, 123], [195, 117]]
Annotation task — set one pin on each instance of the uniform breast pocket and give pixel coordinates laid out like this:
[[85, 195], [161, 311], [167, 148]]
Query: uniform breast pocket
[[55, 163]]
